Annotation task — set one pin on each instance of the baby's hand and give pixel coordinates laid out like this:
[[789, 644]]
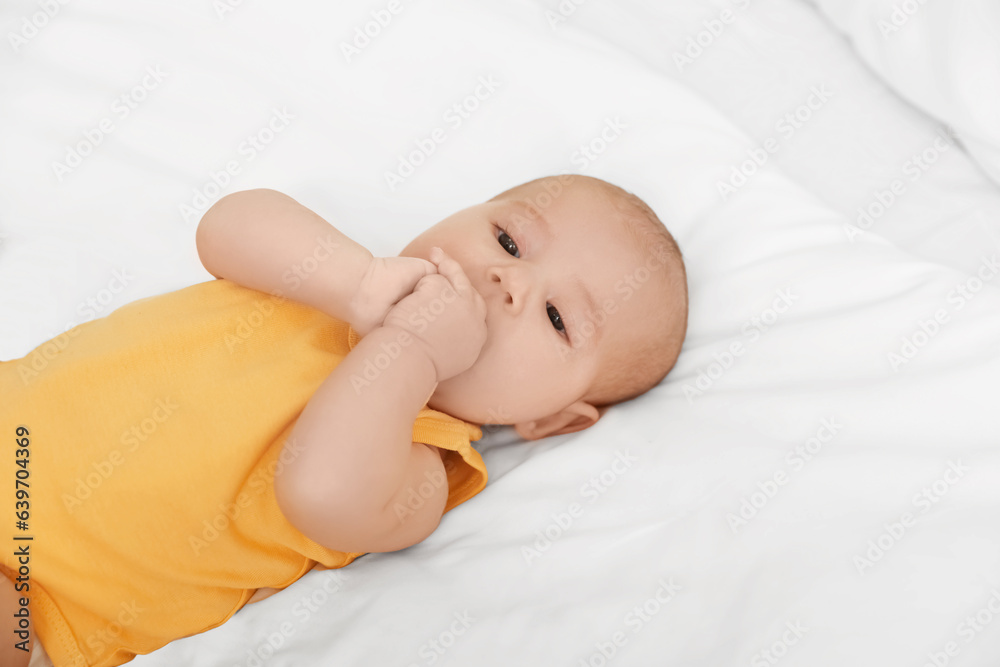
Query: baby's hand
[[446, 315], [386, 281]]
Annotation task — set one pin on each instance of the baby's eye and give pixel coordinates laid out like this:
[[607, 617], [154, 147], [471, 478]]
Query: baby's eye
[[508, 244], [555, 318]]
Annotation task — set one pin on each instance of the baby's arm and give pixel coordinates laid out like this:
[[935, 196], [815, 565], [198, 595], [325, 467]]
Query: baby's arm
[[353, 467], [267, 241], [349, 463], [351, 456]]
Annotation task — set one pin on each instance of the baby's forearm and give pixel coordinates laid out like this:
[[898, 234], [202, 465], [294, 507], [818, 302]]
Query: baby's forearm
[[351, 445], [267, 241]]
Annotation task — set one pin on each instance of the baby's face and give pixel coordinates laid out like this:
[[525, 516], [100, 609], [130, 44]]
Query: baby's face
[[552, 308]]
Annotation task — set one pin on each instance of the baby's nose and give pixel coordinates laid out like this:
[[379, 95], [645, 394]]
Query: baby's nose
[[494, 275], [511, 284]]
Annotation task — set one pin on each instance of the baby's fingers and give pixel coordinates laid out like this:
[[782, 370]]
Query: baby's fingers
[[450, 269], [418, 268]]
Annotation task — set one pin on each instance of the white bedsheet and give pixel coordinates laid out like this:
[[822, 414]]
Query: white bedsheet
[[621, 544], [944, 56]]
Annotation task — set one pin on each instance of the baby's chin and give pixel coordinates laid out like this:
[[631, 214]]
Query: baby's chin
[[440, 401], [460, 403]]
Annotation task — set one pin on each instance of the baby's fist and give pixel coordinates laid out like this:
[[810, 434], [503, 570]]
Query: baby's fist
[[446, 315], [386, 281]]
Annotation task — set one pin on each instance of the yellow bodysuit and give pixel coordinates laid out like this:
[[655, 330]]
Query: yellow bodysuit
[[148, 446]]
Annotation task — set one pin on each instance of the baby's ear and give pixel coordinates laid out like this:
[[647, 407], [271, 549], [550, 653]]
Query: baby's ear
[[572, 418]]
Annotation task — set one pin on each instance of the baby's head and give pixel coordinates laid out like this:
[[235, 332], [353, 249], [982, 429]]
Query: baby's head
[[586, 303]]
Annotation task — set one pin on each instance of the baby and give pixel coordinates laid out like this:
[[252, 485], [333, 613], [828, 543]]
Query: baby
[[539, 308]]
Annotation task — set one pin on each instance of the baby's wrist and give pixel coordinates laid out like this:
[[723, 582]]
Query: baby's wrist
[[395, 342], [358, 305], [359, 266]]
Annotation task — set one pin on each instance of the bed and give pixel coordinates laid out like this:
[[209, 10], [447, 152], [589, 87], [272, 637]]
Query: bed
[[816, 483]]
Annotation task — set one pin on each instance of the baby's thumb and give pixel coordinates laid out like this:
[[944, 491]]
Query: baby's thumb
[[414, 270], [423, 267]]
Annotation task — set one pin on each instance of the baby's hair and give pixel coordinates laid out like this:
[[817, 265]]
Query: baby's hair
[[635, 366]]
